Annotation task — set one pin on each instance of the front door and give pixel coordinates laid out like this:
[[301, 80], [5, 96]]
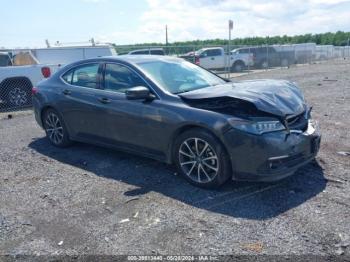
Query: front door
[[128, 122]]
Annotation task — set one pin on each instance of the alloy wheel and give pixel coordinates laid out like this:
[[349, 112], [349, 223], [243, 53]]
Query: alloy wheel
[[198, 160], [54, 128]]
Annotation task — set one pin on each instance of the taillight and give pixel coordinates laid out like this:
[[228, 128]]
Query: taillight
[[34, 90], [46, 71], [196, 60]]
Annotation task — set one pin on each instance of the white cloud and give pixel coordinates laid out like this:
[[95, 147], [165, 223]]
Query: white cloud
[[207, 19]]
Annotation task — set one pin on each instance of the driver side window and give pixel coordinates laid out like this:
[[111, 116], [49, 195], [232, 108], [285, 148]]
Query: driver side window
[[119, 78]]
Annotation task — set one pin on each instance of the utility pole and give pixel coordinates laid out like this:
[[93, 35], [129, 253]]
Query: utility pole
[[166, 39], [228, 60], [166, 35], [47, 43]]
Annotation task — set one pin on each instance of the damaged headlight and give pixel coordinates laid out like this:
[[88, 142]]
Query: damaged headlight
[[258, 127]]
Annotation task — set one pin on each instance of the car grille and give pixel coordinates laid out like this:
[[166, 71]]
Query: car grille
[[298, 122], [288, 162]]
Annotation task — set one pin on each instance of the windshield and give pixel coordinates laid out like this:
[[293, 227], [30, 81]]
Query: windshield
[[178, 76]]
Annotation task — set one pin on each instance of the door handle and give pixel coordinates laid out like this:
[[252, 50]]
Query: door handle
[[213, 58], [104, 100], [66, 92]]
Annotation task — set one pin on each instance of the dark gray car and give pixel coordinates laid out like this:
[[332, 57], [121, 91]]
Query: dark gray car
[[174, 111]]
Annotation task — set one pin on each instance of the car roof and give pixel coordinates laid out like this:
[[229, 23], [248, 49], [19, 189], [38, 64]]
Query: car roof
[[134, 59], [147, 49], [210, 48]]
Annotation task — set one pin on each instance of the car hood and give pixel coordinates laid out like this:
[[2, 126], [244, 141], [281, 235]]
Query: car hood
[[277, 97]]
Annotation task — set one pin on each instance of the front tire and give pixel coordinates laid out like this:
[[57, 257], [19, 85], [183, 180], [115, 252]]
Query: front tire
[[201, 159], [55, 129], [238, 66]]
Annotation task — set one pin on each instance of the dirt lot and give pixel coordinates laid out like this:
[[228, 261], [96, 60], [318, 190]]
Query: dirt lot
[[91, 200]]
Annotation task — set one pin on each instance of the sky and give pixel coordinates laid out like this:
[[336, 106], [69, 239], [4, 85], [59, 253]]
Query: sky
[[29, 23]]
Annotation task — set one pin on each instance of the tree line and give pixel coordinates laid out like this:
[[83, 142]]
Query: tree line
[[339, 38]]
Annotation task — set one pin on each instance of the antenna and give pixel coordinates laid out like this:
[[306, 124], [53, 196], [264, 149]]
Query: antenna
[[47, 43]]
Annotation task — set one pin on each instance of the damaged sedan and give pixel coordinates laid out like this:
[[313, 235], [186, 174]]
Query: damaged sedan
[[171, 110]]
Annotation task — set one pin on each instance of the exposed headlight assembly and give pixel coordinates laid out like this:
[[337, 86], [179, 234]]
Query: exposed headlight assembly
[[258, 127]]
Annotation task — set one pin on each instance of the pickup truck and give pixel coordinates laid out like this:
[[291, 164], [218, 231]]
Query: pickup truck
[[268, 56], [22, 69], [215, 58], [16, 82]]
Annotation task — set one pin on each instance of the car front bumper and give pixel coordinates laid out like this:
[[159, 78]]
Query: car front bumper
[[271, 156]]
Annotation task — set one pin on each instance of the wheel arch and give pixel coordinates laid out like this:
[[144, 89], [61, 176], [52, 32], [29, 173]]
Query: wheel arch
[[184, 128], [43, 110], [239, 61]]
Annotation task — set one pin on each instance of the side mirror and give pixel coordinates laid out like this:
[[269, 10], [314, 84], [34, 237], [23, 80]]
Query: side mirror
[[139, 93]]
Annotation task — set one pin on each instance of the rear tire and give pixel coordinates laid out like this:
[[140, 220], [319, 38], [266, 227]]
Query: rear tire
[[201, 159], [55, 129]]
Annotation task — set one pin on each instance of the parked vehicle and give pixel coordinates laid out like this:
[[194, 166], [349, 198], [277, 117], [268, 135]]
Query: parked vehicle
[[324, 52], [69, 54], [22, 69], [304, 53], [190, 56], [215, 58], [16, 82], [268, 56], [148, 51], [174, 111]]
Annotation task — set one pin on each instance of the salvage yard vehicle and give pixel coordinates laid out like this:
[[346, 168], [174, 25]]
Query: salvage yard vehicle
[[171, 110], [21, 69], [148, 51], [215, 58], [268, 56], [16, 82]]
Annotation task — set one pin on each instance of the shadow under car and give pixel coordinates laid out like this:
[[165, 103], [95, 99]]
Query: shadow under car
[[237, 199]]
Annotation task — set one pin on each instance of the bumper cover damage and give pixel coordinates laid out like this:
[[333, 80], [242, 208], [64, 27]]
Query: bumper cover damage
[[271, 155]]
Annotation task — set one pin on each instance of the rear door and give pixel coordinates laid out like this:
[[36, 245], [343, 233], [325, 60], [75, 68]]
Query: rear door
[[80, 105]]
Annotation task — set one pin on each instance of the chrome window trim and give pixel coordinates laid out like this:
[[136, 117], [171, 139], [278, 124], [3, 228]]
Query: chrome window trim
[[106, 62], [87, 63]]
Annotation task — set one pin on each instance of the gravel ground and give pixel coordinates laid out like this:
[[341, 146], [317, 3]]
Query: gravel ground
[[91, 200]]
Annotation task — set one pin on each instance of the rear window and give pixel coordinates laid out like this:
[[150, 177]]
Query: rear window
[[84, 76], [157, 52], [244, 51], [5, 60], [143, 52], [147, 52]]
